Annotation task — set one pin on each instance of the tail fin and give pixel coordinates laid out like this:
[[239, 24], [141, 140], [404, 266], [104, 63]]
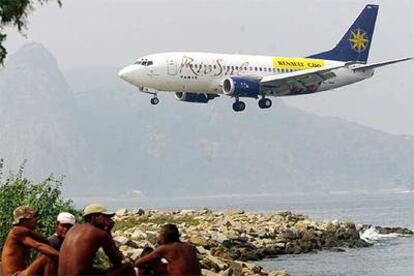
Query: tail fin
[[355, 44]]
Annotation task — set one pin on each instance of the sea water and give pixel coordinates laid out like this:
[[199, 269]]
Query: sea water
[[389, 255]]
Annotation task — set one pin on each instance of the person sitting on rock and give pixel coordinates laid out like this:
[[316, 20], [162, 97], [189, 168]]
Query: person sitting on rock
[[19, 241], [82, 242], [64, 222], [156, 267], [181, 257]]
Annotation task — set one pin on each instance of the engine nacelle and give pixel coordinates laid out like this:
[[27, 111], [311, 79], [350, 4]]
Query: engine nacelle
[[241, 87], [194, 97]]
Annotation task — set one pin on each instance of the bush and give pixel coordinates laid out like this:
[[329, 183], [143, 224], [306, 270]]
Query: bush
[[16, 190]]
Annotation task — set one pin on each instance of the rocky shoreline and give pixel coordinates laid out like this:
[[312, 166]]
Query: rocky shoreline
[[228, 241]]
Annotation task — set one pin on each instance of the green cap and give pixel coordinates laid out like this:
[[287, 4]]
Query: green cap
[[96, 208], [23, 212]]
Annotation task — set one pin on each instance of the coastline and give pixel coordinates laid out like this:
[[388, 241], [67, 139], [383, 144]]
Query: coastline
[[228, 242]]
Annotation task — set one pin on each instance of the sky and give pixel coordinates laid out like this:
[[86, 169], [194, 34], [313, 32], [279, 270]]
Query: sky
[[93, 33]]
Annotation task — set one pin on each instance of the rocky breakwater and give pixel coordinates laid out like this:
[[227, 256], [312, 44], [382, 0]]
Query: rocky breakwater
[[228, 241]]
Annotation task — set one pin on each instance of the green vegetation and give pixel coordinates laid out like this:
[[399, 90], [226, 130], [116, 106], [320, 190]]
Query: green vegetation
[[14, 13], [46, 197], [158, 219]]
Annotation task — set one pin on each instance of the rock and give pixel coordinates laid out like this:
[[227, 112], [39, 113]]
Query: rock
[[202, 250], [208, 272], [121, 240], [278, 273], [121, 212], [219, 237], [252, 267], [136, 253], [393, 230], [227, 272], [187, 212], [221, 265], [336, 249], [138, 235], [231, 212], [198, 240]]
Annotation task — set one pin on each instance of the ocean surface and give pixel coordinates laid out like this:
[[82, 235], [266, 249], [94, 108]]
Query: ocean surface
[[388, 256]]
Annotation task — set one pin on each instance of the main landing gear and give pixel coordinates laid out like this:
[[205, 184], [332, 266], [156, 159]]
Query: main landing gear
[[265, 103], [239, 105]]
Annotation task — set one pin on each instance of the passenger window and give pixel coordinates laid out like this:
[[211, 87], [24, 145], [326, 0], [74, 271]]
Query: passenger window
[[260, 69], [255, 68]]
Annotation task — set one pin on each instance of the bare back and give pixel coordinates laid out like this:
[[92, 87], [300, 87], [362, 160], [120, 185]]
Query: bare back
[[80, 246], [182, 258]]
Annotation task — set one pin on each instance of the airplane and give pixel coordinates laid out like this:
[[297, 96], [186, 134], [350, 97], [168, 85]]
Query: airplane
[[200, 77]]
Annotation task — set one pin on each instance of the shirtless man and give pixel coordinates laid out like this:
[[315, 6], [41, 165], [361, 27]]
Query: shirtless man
[[21, 238], [82, 242], [181, 257]]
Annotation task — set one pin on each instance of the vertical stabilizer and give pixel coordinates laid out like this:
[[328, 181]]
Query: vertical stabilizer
[[355, 44]]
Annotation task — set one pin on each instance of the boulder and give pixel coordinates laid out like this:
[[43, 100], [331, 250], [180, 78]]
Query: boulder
[[121, 212], [393, 230], [227, 272], [206, 272], [120, 240], [198, 240]]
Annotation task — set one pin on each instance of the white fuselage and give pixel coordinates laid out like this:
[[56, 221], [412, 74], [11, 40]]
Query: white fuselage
[[205, 72]]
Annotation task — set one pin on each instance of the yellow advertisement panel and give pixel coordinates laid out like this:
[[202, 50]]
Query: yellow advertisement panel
[[297, 63]]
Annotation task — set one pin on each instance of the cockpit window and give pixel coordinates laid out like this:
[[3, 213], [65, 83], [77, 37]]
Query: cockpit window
[[144, 62]]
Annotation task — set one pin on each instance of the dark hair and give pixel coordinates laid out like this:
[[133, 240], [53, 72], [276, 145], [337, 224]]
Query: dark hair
[[170, 232], [88, 218]]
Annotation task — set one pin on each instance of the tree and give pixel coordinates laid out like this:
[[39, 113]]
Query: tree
[[14, 13], [16, 190]]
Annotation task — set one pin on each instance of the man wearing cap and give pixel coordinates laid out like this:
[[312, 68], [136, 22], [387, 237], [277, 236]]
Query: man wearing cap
[[82, 242], [64, 222], [21, 238]]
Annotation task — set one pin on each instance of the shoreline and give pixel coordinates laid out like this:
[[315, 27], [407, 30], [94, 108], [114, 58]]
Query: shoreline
[[229, 241]]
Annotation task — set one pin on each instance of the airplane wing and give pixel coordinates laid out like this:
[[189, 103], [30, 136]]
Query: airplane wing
[[378, 64], [299, 82]]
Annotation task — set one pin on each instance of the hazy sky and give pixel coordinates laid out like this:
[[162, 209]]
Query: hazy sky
[[113, 33]]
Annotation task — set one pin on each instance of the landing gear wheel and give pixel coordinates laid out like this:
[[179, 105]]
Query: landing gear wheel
[[265, 103], [239, 106], [154, 101]]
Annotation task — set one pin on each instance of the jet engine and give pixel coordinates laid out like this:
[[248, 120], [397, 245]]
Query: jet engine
[[194, 97], [241, 87]]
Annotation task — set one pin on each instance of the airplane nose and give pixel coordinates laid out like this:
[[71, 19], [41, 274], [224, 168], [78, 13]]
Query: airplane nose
[[128, 74]]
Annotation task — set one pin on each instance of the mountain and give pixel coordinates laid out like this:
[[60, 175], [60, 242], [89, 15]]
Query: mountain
[[112, 144], [38, 118]]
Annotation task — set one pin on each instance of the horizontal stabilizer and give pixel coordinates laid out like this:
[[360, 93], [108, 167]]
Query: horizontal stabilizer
[[379, 64]]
